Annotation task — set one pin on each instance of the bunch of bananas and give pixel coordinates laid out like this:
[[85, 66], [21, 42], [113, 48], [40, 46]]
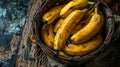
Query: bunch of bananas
[[72, 28]]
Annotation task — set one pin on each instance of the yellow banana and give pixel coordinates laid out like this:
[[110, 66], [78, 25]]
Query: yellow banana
[[64, 31], [32, 38], [91, 29], [73, 5], [48, 35], [83, 48], [91, 11], [82, 24], [52, 14], [78, 27], [102, 20], [58, 25], [61, 53]]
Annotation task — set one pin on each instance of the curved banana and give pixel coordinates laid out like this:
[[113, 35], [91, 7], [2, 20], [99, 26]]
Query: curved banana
[[64, 31], [78, 27], [91, 29], [48, 35], [82, 24], [73, 5], [58, 25], [83, 48], [52, 14], [32, 38]]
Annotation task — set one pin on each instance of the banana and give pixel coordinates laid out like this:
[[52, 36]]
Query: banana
[[32, 38], [64, 31], [73, 5], [83, 48], [91, 29], [48, 35], [82, 24], [91, 11], [78, 27], [102, 20], [58, 25], [52, 14], [61, 53]]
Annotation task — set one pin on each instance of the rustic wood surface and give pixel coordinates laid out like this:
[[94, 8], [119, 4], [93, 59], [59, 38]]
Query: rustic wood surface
[[4, 55], [27, 51]]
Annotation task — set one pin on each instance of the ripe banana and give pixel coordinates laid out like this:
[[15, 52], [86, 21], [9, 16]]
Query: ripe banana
[[78, 27], [64, 31], [82, 24], [52, 14], [32, 38], [58, 25], [102, 20], [61, 53], [91, 29], [48, 35], [89, 13], [83, 48], [73, 5]]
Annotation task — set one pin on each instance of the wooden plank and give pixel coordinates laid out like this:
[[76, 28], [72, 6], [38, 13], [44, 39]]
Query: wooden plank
[[5, 55], [27, 50]]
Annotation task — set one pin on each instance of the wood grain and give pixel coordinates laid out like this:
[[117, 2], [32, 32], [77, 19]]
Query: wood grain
[[28, 52]]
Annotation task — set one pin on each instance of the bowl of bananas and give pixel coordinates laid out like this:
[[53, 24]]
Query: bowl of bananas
[[73, 31]]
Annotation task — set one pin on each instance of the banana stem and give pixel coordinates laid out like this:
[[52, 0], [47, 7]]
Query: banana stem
[[90, 5], [92, 10], [90, 2], [96, 10]]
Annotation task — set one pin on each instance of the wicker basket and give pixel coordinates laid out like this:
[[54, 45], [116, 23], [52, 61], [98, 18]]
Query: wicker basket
[[37, 25]]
